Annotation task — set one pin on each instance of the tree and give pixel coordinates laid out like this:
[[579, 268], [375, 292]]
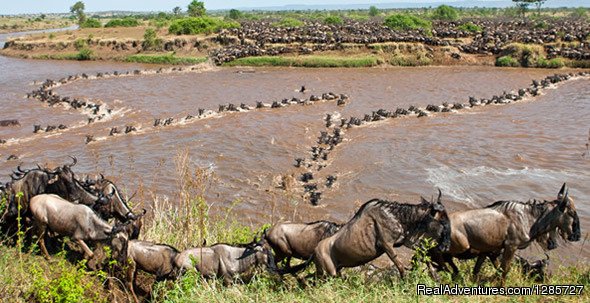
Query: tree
[[373, 11], [177, 11], [445, 12], [235, 14], [196, 9], [78, 10], [523, 5]]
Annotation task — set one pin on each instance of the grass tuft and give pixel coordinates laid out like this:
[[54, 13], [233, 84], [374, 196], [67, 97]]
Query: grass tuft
[[165, 59], [307, 61]]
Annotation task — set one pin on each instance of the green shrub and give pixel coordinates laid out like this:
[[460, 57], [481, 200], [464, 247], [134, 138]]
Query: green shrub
[[80, 44], [165, 59], [199, 25], [126, 22], [84, 54], [333, 20], [406, 22], [91, 23], [507, 61], [288, 22], [579, 12], [151, 40], [235, 14], [68, 287], [552, 63], [470, 27], [445, 12]]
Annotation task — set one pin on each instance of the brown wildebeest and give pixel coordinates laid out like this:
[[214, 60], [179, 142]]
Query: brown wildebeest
[[156, 259], [30, 183], [12, 122], [77, 221], [115, 206], [505, 226], [377, 228], [297, 240], [227, 261]]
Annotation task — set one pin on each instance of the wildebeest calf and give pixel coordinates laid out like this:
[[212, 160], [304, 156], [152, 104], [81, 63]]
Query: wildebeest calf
[[226, 261]]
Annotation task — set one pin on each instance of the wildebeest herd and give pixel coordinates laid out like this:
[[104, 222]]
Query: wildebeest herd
[[47, 202]]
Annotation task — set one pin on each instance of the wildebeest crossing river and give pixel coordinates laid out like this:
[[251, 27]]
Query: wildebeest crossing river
[[519, 151]]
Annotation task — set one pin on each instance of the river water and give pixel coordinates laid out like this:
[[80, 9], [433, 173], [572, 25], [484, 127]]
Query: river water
[[518, 151]]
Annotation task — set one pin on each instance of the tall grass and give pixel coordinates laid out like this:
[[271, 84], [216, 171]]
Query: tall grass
[[165, 59], [307, 61]]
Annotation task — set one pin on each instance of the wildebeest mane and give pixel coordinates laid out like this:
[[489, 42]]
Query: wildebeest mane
[[331, 227]]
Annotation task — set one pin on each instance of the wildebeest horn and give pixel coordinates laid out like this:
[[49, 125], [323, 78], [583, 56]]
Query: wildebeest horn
[[439, 195], [73, 163], [562, 191], [101, 176]]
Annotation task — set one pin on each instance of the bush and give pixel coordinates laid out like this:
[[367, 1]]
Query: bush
[[445, 12], [406, 22], [235, 14], [470, 27], [126, 22], [199, 25], [289, 22], [151, 40], [507, 61], [84, 54], [91, 23], [333, 20], [553, 63], [79, 44]]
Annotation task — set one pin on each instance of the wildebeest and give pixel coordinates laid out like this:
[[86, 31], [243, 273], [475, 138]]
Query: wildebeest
[[227, 261], [12, 122], [115, 205], [505, 226], [60, 181], [297, 240], [378, 227], [156, 259], [77, 221]]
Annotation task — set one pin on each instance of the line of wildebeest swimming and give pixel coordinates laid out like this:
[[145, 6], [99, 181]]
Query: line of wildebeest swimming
[[335, 126], [50, 203]]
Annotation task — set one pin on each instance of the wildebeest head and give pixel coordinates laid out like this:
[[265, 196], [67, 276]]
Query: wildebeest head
[[262, 251], [438, 225], [562, 219], [65, 184], [115, 203]]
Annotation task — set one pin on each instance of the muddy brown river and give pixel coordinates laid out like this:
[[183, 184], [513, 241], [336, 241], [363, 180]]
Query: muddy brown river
[[517, 151]]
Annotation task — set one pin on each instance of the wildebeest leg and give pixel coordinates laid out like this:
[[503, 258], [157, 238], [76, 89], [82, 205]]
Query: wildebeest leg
[[506, 262], [478, 264], [41, 228], [131, 275], [324, 265], [88, 254], [449, 260], [393, 256]]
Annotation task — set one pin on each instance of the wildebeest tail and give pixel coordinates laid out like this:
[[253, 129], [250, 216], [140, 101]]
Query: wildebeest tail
[[297, 268]]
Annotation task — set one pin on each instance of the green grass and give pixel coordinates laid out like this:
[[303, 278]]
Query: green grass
[[27, 277], [507, 61], [165, 59], [199, 25], [307, 61]]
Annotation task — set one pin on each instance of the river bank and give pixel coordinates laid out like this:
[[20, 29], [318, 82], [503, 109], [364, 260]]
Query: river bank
[[550, 43]]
